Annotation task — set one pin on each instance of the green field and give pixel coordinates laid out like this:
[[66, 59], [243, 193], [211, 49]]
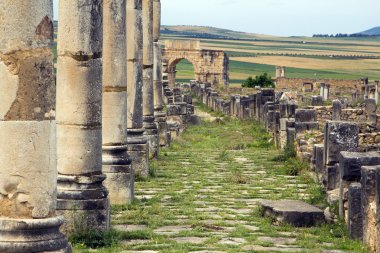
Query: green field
[[303, 57]]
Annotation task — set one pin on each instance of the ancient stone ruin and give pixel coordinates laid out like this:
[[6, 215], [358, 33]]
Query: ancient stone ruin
[[72, 146], [210, 66]]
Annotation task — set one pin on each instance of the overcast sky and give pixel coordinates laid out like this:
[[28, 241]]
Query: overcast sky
[[274, 17]]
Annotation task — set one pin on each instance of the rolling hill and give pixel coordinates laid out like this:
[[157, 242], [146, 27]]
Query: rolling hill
[[372, 32]]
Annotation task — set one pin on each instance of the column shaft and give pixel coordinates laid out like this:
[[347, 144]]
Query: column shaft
[[148, 95], [28, 172], [116, 165], [82, 198], [137, 143]]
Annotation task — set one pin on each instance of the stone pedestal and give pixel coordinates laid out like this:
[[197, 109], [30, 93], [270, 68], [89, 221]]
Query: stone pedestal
[[116, 165], [82, 198], [28, 171]]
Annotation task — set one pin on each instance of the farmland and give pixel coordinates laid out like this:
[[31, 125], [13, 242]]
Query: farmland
[[253, 54]]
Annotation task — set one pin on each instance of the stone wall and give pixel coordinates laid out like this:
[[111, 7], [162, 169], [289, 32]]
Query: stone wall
[[341, 85]]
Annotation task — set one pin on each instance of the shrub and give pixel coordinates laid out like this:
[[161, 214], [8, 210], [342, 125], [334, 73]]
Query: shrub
[[264, 81]]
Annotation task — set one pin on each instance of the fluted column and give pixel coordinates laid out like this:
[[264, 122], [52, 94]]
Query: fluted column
[[82, 198], [137, 143], [116, 165], [28, 172], [150, 125]]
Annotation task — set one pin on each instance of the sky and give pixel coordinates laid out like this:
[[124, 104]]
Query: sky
[[274, 17]]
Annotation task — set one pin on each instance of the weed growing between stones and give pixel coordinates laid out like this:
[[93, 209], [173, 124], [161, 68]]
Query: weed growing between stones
[[200, 202]]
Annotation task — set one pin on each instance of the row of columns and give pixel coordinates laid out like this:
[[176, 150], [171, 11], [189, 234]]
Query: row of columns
[[72, 149]]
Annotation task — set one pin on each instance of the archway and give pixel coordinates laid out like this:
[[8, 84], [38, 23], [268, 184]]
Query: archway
[[181, 69], [210, 66]]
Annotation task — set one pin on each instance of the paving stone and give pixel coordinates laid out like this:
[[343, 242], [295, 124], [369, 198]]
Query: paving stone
[[294, 212], [135, 242], [256, 248], [277, 240], [130, 227], [232, 241], [191, 240], [171, 230]]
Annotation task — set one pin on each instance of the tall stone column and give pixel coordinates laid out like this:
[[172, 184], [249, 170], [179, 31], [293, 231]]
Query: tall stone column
[[159, 114], [82, 198], [28, 172], [150, 125], [116, 165], [137, 143]]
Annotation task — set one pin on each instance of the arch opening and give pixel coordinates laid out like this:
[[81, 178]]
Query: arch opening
[[181, 70]]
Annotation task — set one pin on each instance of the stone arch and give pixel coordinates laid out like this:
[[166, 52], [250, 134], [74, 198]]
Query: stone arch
[[210, 66], [172, 64]]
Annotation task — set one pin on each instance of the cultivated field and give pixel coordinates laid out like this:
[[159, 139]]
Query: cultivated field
[[342, 58]]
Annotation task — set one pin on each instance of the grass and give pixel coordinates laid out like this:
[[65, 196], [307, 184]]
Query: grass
[[307, 57], [209, 181]]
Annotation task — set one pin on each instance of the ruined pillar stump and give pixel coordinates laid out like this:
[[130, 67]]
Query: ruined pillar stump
[[82, 198], [116, 165], [136, 141], [28, 173]]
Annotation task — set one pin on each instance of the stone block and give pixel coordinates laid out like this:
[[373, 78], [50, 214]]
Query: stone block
[[316, 101], [369, 205], [293, 212], [305, 126], [306, 115], [355, 217], [339, 136], [350, 163]]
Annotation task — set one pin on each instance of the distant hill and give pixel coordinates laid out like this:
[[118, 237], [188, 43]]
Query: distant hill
[[207, 32], [372, 32]]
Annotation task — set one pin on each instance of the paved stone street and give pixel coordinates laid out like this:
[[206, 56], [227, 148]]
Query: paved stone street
[[204, 194]]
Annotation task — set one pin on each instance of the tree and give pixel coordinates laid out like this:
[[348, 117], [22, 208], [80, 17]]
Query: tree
[[264, 81]]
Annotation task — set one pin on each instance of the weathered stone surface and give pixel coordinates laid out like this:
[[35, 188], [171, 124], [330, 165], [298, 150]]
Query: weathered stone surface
[[355, 216], [369, 205], [339, 136], [296, 213], [317, 101], [210, 66], [82, 198], [28, 168], [350, 163], [32, 235], [306, 115], [337, 110]]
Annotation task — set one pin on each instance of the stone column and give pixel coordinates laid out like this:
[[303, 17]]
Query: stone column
[[28, 172], [159, 114], [151, 131], [116, 165], [137, 143], [82, 198]]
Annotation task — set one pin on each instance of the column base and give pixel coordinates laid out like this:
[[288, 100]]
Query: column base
[[161, 121], [151, 133], [33, 235], [120, 177], [83, 202], [137, 149]]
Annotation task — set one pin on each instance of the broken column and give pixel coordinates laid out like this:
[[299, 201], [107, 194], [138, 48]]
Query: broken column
[[82, 198], [338, 136], [159, 114], [28, 172], [337, 110], [116, 165], [137, 146], [369, 206], [151, 131]]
